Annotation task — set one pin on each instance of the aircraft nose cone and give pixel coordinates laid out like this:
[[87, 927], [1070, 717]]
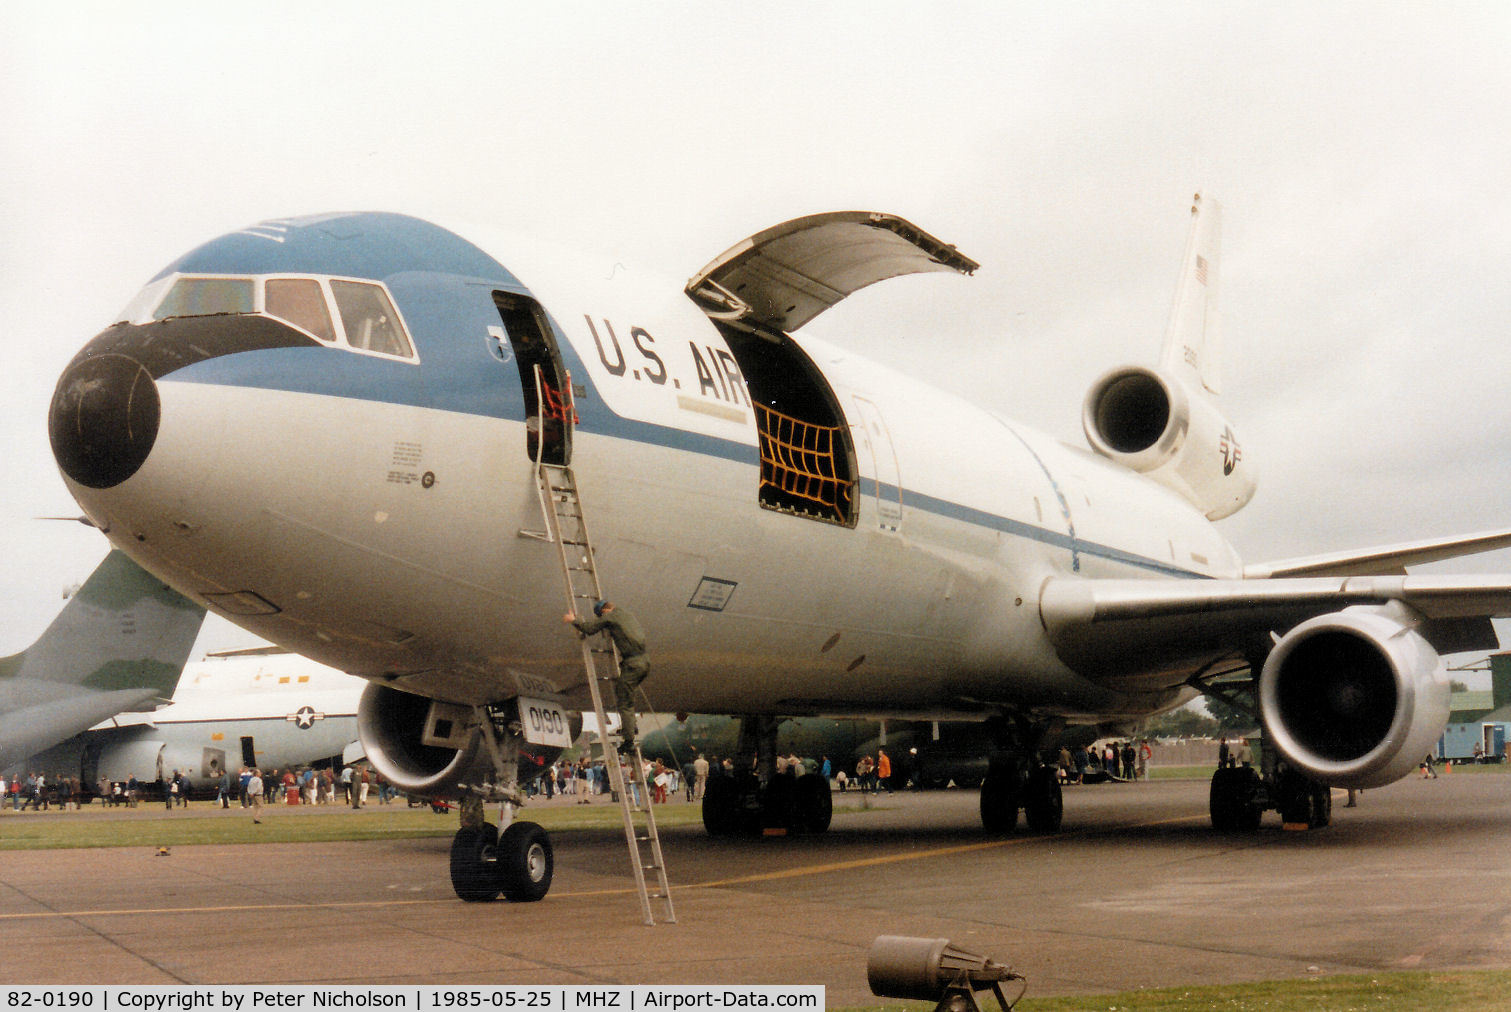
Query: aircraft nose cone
[[104, 419]]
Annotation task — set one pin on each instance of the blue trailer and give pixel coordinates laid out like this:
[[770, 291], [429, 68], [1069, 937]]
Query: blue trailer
[[1459, 740]]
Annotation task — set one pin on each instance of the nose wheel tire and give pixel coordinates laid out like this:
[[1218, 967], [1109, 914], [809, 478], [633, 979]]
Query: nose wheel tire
[[524, 863], [473, 860]]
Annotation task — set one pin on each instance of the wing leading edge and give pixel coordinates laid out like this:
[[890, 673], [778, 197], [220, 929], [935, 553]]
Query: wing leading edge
[[1168, 629]]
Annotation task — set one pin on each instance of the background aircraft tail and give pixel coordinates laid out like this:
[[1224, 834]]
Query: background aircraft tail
[[124, 629]]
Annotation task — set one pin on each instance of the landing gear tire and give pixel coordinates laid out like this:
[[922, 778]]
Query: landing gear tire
[[524, 863], [814, 805], [1322, 806], [999, 801], [720, 798], [778, 804], [1234, 800], [1304, 802], [1044, 803], [473, 862]]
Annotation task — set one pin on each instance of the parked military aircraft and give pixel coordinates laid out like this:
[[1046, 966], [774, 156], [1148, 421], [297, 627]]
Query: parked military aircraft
[[923, 753], [119, 644], [332, 429], [266, 710]]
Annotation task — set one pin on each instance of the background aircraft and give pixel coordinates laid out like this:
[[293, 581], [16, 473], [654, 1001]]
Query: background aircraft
[[930, 754], [119, 644], [805, 532], [274, 711]]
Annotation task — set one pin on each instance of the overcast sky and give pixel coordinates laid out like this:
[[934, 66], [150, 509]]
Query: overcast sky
[[1361, 152]]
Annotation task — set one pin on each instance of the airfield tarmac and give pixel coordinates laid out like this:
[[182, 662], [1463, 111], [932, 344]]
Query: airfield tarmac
[[1135, 892]]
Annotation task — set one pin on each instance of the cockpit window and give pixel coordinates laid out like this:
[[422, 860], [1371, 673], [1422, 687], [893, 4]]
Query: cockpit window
[[207, 297], [341, 312], [301, 302], [369, 319]]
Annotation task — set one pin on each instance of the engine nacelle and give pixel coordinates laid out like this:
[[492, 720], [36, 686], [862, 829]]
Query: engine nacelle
[[399, 731], [1149, 422], [1354, 699], [392, 727]]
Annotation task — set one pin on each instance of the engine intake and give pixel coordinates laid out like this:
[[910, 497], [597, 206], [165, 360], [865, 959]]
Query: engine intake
[[1354, 699], [392, 724], [1151, 423]]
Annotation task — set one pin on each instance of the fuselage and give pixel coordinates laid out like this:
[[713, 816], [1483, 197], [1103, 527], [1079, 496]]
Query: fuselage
[[352, 484]]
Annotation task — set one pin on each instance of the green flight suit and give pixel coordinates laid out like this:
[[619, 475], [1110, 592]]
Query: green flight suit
[[629, 639]]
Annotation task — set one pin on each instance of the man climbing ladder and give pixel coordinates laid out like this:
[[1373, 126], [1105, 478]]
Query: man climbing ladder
[[634, 665]]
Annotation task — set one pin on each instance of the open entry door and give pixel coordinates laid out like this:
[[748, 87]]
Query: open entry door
[[526, 337]]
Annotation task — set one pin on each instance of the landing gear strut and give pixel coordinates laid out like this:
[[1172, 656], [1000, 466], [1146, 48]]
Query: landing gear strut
[[752, 803], [517, 863]]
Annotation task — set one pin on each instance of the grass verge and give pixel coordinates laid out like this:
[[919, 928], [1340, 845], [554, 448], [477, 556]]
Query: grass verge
[[205, 824], [1439, 990]]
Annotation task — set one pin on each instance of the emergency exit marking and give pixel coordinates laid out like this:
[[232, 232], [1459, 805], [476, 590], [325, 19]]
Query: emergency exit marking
[[712, 594]]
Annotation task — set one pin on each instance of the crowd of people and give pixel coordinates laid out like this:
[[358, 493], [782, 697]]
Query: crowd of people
[[585, 779], [354, 784], [1124, 760], [40, 792], [582, 779]]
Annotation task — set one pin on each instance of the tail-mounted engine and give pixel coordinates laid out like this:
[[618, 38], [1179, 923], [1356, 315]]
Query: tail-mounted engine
[[1354, 699], [1151, 423], [431, 747]]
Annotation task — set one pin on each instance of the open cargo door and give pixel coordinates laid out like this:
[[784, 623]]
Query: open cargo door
[[779, 279]]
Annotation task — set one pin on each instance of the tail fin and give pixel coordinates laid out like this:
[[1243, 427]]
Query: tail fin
[[1193, 340], [124, 629]]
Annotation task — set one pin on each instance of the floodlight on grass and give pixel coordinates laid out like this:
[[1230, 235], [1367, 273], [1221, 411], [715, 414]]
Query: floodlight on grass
[[932, 969]]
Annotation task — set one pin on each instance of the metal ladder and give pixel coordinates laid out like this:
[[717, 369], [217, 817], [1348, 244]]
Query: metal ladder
[[567, 526]]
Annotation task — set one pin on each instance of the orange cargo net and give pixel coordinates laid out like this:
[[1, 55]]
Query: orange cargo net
[[557, 406], [798, 463]]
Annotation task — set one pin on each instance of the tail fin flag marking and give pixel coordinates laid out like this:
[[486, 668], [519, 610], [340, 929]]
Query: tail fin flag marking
[[1193, 339]]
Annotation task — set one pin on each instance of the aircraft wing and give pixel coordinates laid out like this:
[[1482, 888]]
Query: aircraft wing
[[32, 728], [1169, 629], [1385, 561]]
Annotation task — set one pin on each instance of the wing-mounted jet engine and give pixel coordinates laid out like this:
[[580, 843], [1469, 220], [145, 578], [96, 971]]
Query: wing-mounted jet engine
[[1355, 698], [1164, 423]]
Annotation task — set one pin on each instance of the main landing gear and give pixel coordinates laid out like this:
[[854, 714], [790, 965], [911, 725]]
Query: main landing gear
[[750, 803], [517, 863], [1240, 796], [1016, 779]]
